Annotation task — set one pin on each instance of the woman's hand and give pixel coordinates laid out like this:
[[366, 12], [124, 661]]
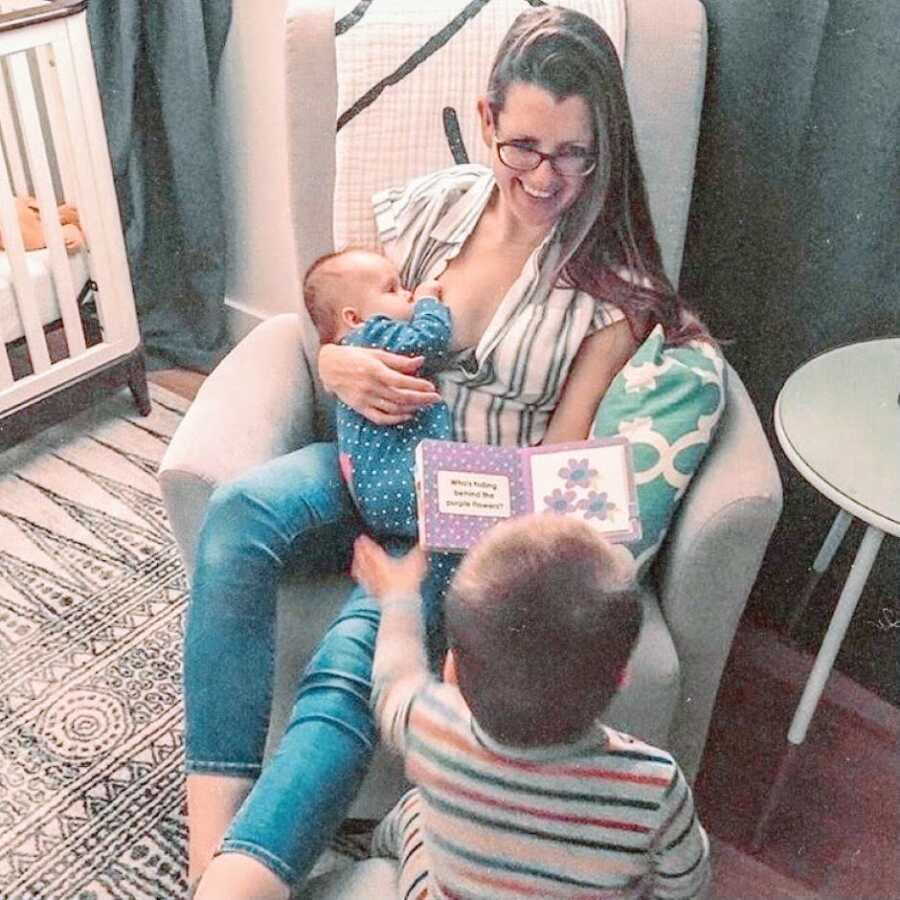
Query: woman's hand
[[379, 385], [381, 574]]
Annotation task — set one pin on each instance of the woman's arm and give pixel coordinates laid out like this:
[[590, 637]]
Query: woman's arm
[[379, 385], [598, 361]]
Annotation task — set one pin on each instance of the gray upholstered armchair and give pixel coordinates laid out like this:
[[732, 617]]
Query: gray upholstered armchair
[[264, 400]]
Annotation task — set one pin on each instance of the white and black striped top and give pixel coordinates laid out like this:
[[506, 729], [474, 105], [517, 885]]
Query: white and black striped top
[[504, 390]]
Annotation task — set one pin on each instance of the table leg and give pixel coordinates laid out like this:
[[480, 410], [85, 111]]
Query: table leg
[[837, 628], [820, 564], [815, 684], [785, 770]]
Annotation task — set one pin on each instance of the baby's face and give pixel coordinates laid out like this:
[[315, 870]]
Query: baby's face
[[375, 287]]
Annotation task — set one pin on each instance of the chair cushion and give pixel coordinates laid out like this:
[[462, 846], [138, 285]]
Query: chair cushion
[[667, 401], [400, 64]]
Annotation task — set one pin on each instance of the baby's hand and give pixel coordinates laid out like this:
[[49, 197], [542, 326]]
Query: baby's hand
[[429, 289], [381, 574]]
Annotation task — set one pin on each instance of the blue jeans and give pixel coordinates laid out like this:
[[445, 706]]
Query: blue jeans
[[294, 510]]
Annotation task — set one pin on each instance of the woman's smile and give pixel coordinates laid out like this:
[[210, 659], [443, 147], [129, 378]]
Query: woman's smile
[[538, 195]]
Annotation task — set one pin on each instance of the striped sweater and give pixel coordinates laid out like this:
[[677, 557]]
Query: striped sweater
[[606, 816]]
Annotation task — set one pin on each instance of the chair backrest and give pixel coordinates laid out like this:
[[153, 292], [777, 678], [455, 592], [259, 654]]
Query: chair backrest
[[665, 64], [408, 78]]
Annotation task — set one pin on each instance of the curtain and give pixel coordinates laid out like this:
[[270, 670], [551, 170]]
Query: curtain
[[156, 63], [794, 248]]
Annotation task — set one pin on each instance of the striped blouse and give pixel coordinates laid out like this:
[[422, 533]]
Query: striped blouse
[[504, 390], [604, 817]]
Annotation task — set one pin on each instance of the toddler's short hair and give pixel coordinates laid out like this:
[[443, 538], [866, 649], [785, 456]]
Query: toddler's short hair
[[542, 616]]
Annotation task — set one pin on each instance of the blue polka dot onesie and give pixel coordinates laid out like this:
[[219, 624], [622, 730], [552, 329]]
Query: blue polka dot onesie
[[378, 461]]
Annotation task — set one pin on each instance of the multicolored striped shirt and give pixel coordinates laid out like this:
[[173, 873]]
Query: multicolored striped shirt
[[504, 390], [606, 816]]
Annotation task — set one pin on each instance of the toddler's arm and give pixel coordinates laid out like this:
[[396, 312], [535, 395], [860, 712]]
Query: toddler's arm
[[400, 667]]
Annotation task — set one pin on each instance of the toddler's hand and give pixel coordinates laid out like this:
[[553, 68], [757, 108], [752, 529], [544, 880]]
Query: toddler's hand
[[429, 289], [381, 574]]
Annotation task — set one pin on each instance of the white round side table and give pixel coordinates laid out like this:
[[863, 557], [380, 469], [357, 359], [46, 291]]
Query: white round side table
[[837, 419]]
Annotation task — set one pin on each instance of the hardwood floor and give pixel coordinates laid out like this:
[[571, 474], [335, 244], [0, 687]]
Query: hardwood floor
[[835, 834], [183, 382], [836, 831]]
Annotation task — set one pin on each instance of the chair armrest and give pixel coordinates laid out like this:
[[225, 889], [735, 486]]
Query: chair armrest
[[259, 403], [712, 558]]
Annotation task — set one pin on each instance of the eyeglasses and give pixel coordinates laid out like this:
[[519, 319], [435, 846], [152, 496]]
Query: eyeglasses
[[572, 164]]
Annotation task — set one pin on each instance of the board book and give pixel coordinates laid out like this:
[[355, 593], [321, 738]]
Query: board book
[[462, 490]]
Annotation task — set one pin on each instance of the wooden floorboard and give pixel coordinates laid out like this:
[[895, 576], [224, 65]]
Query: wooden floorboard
[[836, 829], [179, 381]]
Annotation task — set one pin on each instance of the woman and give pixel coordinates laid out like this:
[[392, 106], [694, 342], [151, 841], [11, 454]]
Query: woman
[[549, 264]]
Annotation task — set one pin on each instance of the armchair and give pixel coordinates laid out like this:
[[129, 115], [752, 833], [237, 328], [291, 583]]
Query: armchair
[[264, 399]]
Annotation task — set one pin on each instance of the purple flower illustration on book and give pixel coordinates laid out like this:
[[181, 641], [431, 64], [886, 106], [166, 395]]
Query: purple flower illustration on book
[[596, 505], [577, 473], [559, 502]]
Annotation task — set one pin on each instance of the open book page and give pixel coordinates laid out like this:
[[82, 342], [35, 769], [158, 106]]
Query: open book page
[[464, 489], [590, 480]]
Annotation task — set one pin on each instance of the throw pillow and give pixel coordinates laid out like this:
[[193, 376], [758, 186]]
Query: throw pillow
[[667, 401], [409, 74]]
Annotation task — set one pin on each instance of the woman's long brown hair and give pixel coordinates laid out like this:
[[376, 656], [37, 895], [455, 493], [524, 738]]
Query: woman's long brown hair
[[609, 247]]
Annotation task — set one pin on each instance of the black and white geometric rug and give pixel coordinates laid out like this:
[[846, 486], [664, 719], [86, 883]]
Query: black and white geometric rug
[[92, 597], [92, 593]]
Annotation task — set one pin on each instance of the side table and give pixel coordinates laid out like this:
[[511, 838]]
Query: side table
[[837, 419]]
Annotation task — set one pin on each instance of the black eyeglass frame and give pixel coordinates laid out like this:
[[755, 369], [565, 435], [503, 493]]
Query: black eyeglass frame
[[550, 157]]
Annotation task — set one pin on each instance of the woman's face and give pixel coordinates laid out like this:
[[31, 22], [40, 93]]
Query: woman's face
[[532, 117]]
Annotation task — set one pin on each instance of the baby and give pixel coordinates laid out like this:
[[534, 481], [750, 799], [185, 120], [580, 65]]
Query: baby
[[520, 791], [355, 297]]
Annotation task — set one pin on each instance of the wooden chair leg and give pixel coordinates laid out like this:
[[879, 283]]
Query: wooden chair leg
[[136, 373]]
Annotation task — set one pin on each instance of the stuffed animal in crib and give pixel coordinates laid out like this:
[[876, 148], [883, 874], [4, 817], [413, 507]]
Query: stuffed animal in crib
[[33, 237]]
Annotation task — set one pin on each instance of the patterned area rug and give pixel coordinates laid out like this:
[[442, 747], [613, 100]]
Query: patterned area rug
[[91, 599], [92, 596]]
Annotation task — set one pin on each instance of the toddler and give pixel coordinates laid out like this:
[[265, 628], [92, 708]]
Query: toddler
[[355, 297], [520, 791]]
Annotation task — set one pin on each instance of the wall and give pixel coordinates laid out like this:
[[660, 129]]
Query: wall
[[261, 275]]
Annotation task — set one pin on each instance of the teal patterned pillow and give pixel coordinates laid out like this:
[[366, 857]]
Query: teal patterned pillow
[[667, 401]]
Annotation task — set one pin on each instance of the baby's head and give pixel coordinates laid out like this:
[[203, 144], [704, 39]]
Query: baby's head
[[341, 290], [542, 616]]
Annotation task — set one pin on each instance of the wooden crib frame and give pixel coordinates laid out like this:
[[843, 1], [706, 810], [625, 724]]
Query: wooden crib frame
[[54, 148]]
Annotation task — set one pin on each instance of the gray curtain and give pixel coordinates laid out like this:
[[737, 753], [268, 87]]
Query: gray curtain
[[794, 248], [157, 62]]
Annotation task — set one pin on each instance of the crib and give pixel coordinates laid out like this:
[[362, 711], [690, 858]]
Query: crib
[[67, 311]]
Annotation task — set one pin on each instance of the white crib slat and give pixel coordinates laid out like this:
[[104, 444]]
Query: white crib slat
[[26, 299], [11, 140], [36, 154], [100, 212], [62, 143]]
